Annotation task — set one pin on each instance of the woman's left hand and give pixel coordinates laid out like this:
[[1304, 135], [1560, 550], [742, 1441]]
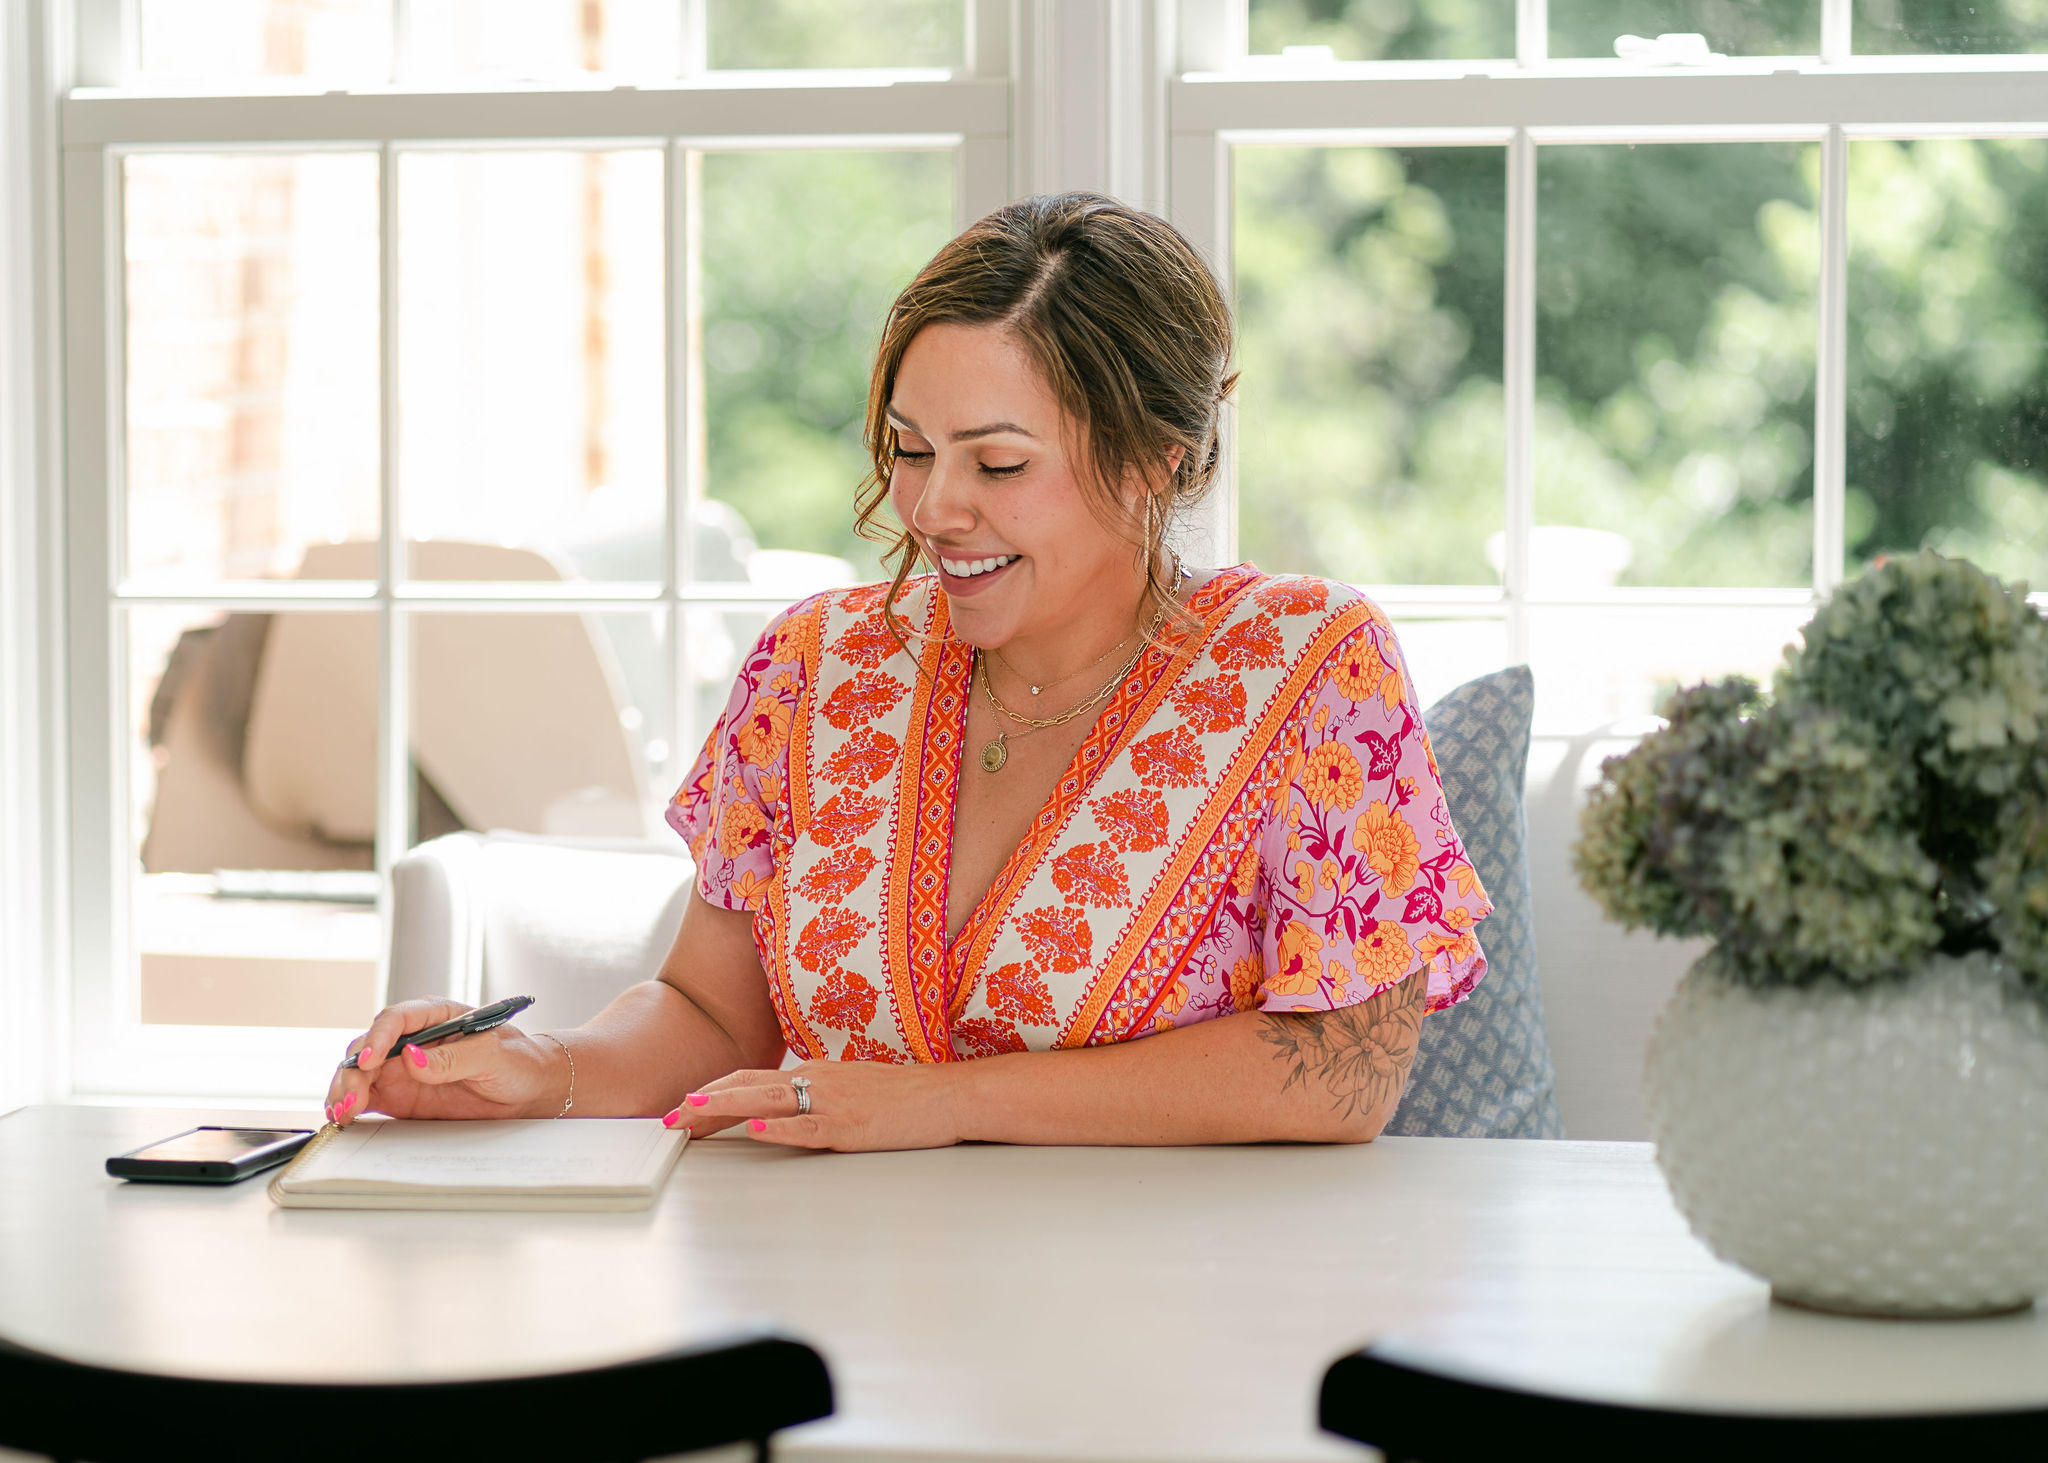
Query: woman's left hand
[[855, 1106]]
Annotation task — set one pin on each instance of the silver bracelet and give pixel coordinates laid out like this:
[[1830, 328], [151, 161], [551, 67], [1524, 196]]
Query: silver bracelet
[[569, 1101]]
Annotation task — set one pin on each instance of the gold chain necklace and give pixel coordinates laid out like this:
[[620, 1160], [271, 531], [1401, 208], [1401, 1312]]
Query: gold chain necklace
[[996, 753], [1061, 681]]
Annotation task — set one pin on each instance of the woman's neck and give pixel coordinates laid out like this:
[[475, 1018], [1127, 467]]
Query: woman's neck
[[1049, 657]]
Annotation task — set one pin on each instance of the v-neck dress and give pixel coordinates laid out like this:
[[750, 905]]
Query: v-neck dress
[[1254, 822]]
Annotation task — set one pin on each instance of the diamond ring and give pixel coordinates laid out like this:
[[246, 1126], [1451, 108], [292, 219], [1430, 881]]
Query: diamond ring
[[802, 1087]]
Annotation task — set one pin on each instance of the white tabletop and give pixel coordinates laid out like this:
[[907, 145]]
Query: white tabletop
[[1112, 1304]]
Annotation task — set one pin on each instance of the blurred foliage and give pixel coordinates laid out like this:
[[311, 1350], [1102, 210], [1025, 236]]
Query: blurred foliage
[[1385, 30], [802, 254], [1890, 801], [1950, 26], [778, 34], [1675, 339], [1369, 410]]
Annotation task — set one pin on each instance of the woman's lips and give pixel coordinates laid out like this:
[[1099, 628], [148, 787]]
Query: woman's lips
[[966, 586]]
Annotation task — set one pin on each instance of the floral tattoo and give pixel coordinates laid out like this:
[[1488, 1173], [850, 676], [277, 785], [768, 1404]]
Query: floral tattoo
[[1360, 1054]]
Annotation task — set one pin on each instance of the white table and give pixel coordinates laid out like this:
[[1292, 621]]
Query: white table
[[1110, 1304]]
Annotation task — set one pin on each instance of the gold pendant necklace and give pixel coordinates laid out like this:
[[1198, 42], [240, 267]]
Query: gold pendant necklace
[[996, 753]]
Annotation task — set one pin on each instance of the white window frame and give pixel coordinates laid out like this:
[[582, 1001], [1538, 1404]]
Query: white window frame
[[970, 112], [1221, 99]]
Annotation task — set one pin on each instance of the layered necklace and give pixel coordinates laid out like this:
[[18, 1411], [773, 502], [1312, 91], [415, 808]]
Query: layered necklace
[[994, 754]]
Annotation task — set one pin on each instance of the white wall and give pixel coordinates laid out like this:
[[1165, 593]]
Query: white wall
[[28, 411], [1602, 987]]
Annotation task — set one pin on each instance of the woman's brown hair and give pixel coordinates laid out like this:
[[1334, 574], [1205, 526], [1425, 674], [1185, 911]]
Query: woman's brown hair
[[1129, 329]]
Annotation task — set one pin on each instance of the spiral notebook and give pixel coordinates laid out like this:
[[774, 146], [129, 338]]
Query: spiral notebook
[[520, 1163]]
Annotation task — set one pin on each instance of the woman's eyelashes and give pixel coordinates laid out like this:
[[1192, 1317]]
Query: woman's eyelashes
[[916, 458]]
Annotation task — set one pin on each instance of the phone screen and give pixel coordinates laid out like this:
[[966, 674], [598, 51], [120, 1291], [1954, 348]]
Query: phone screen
[[215, 1145]]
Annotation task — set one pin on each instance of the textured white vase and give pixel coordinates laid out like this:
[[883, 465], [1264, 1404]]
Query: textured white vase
[[1881, 1150]]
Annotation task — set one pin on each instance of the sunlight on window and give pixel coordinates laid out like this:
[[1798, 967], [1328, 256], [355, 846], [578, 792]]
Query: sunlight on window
[[252, 360], [228, 40], [531, 374]]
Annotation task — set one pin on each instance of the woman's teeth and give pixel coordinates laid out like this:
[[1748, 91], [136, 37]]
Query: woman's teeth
[[968, 568]]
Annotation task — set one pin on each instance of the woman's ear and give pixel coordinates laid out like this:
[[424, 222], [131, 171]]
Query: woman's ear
[[1175, 455]]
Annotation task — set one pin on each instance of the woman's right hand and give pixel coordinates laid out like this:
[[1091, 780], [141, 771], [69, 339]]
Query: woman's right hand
[[500, 1073]]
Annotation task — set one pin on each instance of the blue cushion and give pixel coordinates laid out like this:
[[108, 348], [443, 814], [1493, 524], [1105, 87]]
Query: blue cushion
[[1483, 1070]]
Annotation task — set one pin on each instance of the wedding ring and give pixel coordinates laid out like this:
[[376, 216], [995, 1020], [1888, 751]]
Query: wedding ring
[[802, 1087]]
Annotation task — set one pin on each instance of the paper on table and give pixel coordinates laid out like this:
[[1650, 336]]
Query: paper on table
[[514, 1154]]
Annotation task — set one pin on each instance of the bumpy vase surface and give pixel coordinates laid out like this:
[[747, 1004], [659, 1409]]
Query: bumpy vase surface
[[1881, 1150]]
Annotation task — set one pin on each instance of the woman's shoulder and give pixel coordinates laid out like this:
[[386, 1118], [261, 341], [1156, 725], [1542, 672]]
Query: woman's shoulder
[[1303, 602]]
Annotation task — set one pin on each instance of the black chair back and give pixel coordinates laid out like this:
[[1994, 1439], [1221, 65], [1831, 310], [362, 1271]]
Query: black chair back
[[740, 1390], [1415, 1413]]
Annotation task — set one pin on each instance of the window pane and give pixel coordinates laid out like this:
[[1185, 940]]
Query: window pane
[[253, 814], [523, 39], [1731, 27], [1948, 352], [1674, 354], [1950, 27], [1444, 654], [1389, 30], [240, 40], [1369, 425], [252, 360], [531, 422], [779, 34], [530, 723], [802, 254], [1597, 667]]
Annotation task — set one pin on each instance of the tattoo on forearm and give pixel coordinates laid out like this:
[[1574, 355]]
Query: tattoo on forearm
[[1360, 1054]]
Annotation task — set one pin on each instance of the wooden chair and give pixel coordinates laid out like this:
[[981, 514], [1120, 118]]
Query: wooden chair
[[740, 1390]]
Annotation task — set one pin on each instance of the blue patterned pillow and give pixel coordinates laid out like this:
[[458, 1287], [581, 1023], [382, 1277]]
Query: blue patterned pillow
[[1483, 1070]]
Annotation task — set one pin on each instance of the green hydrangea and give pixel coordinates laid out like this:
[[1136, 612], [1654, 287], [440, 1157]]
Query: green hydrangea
[[1890, 799]]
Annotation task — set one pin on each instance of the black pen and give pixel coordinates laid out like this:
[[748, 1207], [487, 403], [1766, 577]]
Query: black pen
[[483, 1018]]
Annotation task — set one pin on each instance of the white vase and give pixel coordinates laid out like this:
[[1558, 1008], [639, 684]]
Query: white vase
[[1874, 1149]]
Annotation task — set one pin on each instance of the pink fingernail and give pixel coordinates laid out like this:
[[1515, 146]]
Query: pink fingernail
[[757, 1125], [669, 1119], [329, 1110], [341, 1109], [697, 1099], [419, 1058]]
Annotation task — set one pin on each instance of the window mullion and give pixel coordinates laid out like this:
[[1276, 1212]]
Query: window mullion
[[1836, 20], [1532, 32], [1518, 380], [1830, 394], [394, 732]]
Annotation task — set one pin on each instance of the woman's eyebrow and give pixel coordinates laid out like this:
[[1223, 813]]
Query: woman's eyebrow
[[967, 435]]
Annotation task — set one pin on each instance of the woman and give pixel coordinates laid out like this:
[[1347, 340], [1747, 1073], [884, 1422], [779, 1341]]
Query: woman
[[1058, 841]]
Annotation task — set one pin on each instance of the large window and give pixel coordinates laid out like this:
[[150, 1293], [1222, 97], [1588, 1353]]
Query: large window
[[1607, 334], [456, 386]]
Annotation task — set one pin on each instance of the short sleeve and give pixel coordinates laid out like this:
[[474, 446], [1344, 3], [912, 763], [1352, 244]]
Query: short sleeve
[[734, 802], [1365, 881]]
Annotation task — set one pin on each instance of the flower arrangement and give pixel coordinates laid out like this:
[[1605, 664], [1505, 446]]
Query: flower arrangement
[[1887, 801]]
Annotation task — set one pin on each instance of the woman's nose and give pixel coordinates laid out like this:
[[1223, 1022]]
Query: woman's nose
[[943, 506]]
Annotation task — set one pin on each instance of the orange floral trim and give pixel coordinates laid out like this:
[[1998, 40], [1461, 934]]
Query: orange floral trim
[[1148, 956]]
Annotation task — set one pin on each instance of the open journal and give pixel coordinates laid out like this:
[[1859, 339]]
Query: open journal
[[521, 1163]]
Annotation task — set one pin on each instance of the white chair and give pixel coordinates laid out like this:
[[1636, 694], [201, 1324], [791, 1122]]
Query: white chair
[[570, 922]]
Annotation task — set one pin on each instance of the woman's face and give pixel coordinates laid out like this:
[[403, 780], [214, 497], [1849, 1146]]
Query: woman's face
[[986, 478]]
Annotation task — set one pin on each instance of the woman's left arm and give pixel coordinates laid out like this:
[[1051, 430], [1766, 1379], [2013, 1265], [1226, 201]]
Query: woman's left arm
[[1257, 1076]]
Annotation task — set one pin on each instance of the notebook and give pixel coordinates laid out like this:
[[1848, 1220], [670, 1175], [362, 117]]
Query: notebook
[[520, 1163]]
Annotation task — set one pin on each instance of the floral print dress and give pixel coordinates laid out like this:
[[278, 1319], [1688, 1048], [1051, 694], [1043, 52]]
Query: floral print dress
[[1254, 822]]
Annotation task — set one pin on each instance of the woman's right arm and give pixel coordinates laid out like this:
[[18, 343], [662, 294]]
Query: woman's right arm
[[707, 1014]]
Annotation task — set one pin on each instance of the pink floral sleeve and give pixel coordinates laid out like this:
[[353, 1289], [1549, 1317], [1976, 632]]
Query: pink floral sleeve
[[1363, 879], [733, 807]]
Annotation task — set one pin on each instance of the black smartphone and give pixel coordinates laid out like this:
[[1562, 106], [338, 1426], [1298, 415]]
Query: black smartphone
[[210, 1155]]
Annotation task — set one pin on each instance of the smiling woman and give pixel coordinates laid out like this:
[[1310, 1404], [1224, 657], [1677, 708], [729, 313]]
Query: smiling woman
[[1200, 885]]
